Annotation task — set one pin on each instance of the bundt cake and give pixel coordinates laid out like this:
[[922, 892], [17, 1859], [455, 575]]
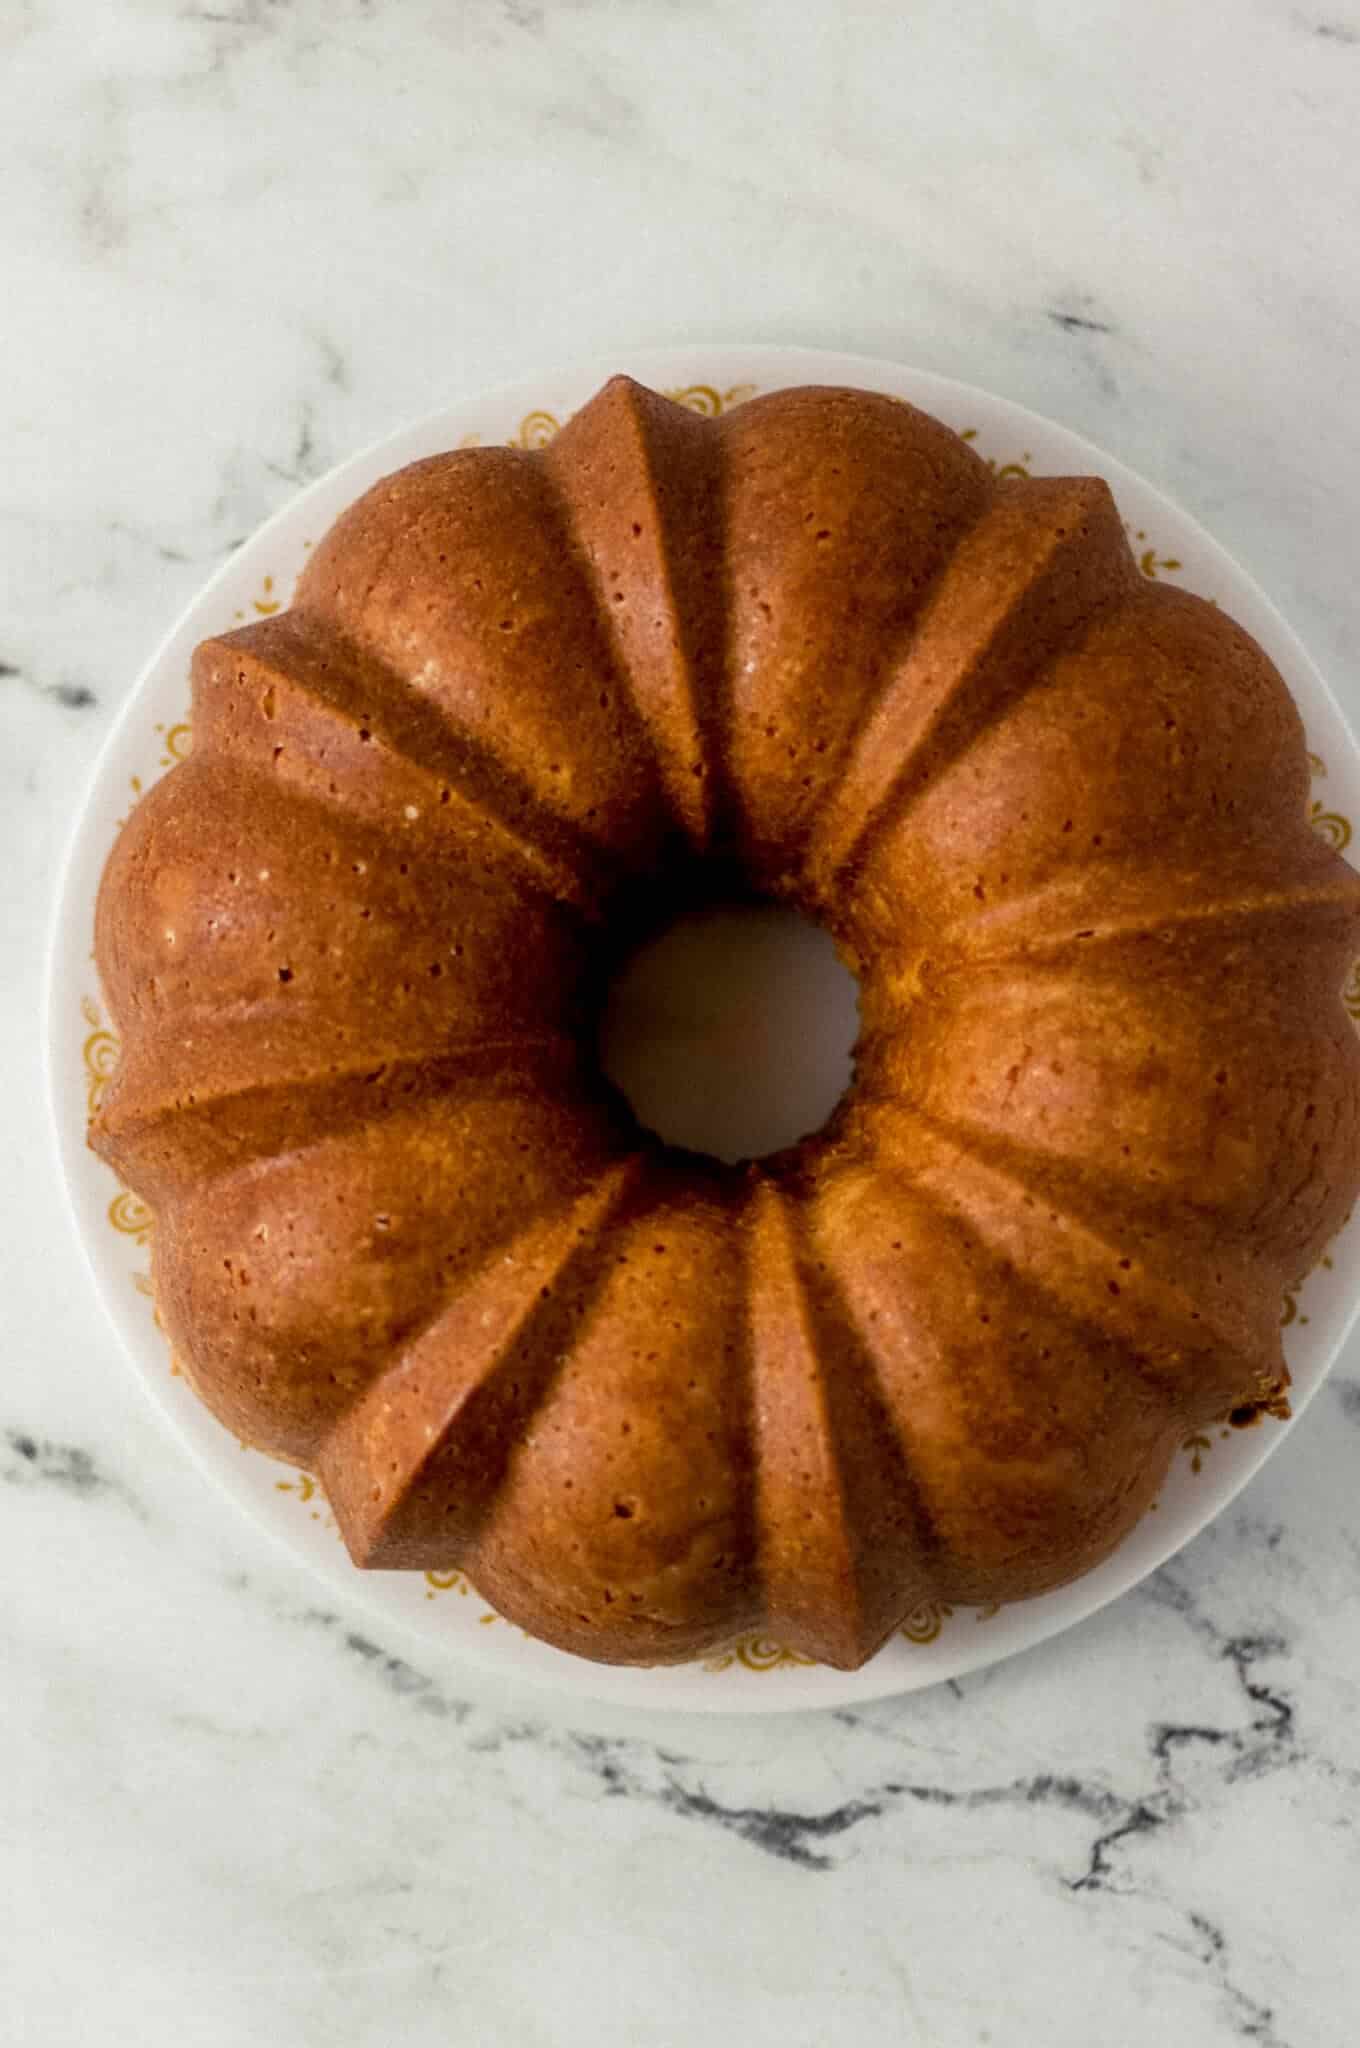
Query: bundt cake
[[1106, 1097]]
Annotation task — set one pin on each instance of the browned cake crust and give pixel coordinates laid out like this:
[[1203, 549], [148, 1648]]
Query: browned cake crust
[[1106, 1094]]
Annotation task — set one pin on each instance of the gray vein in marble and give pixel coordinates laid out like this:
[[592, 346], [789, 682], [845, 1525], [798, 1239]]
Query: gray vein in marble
[[1068, 1794], [303, 463], [66, 1468], [1100, 1874], [253, 13], [1331, 31], [1249, 2019], [1078, 323], [249, 485], [1348, 1399], [813, 1840], [780, 1833], [522, 14], [253, 18], [598, 1750], [1082, 321], [140, 538], [1268, 1741], [395, 1674], [334, 364], [72, 696], [103, 220], [592, 105], [1148, 157]]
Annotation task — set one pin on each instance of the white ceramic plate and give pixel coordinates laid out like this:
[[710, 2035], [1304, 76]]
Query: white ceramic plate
[[114, 1228]]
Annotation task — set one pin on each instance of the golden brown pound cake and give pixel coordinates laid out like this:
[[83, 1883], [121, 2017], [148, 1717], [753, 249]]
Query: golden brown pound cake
[[1106, 1095]]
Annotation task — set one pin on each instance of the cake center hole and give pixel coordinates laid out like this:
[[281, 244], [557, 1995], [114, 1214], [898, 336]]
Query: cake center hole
[[731, 1032]]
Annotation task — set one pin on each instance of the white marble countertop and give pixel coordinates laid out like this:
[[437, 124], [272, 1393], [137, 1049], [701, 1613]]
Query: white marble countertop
[[239, 240]]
